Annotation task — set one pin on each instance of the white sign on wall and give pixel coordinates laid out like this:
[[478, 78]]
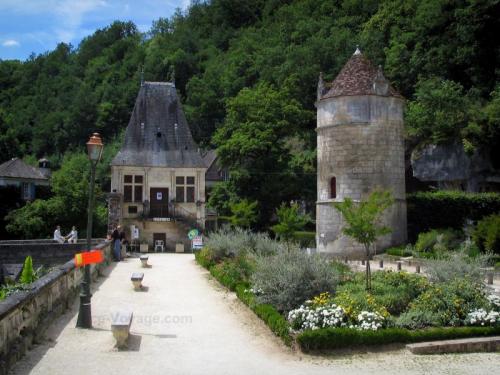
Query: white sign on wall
[[135, 232], [159, 196], [197, 242]]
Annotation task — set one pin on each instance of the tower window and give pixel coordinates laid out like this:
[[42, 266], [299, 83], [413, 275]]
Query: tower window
[[333, 188]]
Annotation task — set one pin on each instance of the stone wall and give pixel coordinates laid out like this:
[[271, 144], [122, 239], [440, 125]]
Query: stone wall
[[24, 316], [43, 252]]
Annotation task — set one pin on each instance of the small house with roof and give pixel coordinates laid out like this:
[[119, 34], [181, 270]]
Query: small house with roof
[[16, 172], [158, 176]]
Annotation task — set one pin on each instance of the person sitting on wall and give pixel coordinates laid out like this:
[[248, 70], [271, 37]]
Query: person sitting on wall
[[58, 236], [115, 236], [72, 237]]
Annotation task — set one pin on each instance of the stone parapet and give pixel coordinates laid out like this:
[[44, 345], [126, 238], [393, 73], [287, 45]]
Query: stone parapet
[[25, 315]]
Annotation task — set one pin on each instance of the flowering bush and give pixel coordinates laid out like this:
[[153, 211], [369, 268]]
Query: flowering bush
[[494, 300], [369, 320], [482, 317], [321, 312], [309, 316]]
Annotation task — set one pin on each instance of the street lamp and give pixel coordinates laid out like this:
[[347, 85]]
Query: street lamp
[[94, 149]]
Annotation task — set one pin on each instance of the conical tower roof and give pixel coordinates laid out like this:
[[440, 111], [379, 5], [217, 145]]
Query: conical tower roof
[[158, 134], [360, 77]]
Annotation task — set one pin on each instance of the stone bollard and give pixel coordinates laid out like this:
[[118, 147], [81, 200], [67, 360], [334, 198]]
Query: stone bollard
[[399, 265], [381, 263], [417, 268], [489, 277]]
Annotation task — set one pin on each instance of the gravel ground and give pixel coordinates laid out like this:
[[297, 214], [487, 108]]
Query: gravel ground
[[186, 323]]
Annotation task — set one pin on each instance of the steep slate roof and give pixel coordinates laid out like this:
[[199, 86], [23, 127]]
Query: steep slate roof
[[158, 134], [357, 77], [16, 168]]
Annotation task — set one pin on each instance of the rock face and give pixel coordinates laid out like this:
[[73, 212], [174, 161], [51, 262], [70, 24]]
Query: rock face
[[360, 149], [449, 167]]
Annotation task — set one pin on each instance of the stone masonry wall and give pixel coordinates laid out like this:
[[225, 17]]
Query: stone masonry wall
[[24, 316]]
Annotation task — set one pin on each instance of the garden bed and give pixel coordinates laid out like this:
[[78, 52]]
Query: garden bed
[[322, 305]]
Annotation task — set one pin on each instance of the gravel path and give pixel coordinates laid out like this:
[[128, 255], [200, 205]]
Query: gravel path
[[186, 323]]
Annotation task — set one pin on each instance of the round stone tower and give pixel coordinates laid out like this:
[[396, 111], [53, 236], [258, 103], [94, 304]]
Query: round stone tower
[[360, 149]]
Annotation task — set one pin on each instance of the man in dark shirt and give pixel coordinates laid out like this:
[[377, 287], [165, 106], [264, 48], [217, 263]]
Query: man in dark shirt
[[115, 237]]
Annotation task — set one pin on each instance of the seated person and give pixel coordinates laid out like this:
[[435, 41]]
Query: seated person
[[72, 237], [58, 236]]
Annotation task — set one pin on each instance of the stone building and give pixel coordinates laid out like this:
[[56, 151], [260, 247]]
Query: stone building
[[360, 148], [158, 176]]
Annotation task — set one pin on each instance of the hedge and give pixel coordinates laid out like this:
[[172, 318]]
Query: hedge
[[338, 338], [273, 319], [447, 209]]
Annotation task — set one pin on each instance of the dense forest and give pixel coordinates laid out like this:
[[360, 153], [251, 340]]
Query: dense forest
[[247, 71]]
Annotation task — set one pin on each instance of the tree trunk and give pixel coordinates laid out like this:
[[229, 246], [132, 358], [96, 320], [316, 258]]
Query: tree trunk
[[368, 269]]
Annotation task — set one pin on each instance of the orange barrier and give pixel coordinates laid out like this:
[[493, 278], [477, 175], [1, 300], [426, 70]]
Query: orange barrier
[[90, 257]]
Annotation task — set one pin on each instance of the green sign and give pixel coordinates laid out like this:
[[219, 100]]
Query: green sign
[[193, 233]]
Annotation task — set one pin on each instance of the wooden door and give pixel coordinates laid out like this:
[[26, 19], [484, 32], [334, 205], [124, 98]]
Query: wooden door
[[158, 198]]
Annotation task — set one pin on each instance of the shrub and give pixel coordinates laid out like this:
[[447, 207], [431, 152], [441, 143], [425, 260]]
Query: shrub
[[337, 338], [399, 251], [487, 234], [416, 319], [233, 242], [447, 209], [232, 272], [456, 265], [392, 291], [310, 316], [437, 241], [28, 273], [288, 279], [450, 302], [204, 257]]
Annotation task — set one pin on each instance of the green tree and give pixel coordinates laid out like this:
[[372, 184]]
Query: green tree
[[362, 222], [290, 220], [243, 213]]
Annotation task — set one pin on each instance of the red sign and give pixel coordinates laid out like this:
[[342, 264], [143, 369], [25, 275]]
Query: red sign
[[90, 257]]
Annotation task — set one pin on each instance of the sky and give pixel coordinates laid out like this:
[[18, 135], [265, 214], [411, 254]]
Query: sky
[[28, 26]]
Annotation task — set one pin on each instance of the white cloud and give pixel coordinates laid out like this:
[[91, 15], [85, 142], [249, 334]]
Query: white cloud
[[10, 43], [71, 15]]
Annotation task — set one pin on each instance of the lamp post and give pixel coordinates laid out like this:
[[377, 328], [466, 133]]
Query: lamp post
[[94, 149]]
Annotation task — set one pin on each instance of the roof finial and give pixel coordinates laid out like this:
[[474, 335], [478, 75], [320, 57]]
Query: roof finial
[[142, 75], [358, 51]]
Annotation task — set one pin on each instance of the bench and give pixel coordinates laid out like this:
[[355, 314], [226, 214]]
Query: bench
[[137, 280], [144, 261], [120, 327]]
